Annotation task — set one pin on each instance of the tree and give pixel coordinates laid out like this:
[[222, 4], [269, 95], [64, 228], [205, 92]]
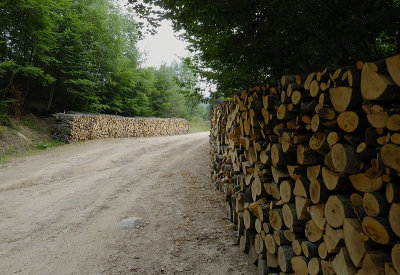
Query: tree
[[238, 44]]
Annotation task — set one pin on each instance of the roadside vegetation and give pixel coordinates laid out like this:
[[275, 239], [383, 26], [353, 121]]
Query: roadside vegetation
[[81, 55]]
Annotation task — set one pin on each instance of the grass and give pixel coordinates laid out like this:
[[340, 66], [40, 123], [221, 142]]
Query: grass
[[40, 147], [199, 125], [30, 123]]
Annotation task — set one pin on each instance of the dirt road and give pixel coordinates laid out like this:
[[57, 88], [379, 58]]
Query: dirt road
[[63, 211]]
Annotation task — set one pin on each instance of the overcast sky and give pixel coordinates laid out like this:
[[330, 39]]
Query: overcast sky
[[162, 47]]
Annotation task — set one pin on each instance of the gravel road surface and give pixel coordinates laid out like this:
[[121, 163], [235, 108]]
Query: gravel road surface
[[118, 206]]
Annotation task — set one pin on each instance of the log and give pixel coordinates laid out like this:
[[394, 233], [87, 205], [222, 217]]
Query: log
[[333, 180], [272, 261], [376, 86], [351, 121], [309, 249], [355, 240], [317, 213], [307, 156], [314, 266], [375, 204], [345, 159], [344, 98], [395, 254], [275, 218], [301, 207], [342, 263], [299, 265], [270, 244], [280, 238], [312, 232], [302, 187], [289, 215], [373, 263], [318, 191], [322, 251], [337, 208], [392, 192], [333, 239], [285, 254], [296, 246], [393, 122], [378, 230], [262, 266], [390, 156], [327, 268], [363, 183], [313, 172], [394, 218], [249, 219], [286, 190], [377, 116]]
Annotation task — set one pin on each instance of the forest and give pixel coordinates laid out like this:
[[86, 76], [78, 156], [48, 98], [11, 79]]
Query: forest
[[82, 55], [240, 44]]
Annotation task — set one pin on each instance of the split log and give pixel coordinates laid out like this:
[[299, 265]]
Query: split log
[[312, 232], [317, 213], [355, 239], [333, 239], [342, 263]]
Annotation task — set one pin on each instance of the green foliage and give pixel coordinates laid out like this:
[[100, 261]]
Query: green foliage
[[49, 144], [238, 44], [81, 55], [5, 120], [29, 123]]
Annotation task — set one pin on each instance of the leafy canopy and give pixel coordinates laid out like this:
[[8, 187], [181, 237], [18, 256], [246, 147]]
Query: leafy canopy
[[237, 44]]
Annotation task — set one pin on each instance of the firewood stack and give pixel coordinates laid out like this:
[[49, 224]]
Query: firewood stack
[[310, 170], [75, 127]]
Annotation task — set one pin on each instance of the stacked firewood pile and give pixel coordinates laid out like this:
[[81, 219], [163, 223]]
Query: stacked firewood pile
[[75, 127], [310, 170]]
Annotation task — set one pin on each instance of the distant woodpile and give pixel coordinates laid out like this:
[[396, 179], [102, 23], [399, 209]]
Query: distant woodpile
[[75, 127], [310, 170]]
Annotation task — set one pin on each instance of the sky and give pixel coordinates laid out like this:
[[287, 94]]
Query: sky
[[163, 47]]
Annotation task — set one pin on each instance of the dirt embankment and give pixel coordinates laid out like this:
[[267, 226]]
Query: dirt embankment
[[19, 136], [65, 210]]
